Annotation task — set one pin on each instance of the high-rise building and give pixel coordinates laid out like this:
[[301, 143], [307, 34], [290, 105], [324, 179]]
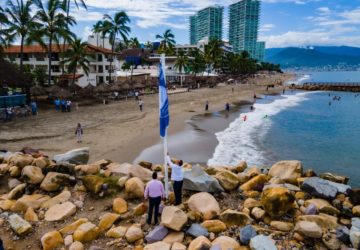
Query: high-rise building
[[243, 27], [208, 23], [260, 51]]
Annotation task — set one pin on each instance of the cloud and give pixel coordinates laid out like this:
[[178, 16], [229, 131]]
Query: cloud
[[86, 33], [267, 27]]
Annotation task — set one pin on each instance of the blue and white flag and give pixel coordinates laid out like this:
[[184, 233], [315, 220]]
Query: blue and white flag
[[163, 103]]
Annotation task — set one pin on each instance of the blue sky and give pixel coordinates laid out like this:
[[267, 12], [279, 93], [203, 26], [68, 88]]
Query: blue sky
[[283, 22]]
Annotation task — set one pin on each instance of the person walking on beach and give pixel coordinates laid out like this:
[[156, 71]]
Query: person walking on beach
[[79, 133], [177, 177], [154, 192], [136, 95], [141, 103], [206, 105], [245, 118], [57, 104], [227, 107], [33, 106], [68, 106], [63, 105]]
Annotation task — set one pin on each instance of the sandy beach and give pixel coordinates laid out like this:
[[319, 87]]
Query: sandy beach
[[119, 131]]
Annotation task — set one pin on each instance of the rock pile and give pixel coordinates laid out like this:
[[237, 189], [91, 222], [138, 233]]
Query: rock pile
[[246, 208]]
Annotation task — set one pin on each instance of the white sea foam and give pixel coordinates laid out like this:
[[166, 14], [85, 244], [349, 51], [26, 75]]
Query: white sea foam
[[242, 139], [299, 80]]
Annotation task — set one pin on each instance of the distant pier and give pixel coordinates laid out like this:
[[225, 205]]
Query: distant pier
[[332, 86]]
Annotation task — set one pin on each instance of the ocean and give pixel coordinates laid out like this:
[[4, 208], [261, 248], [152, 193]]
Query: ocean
[[308, 126]]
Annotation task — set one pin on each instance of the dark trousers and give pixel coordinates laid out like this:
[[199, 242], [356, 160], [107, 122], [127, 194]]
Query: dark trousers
[[154, 204], [177, 185]]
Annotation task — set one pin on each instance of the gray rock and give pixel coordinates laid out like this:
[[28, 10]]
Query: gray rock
[[246, 234], [12, 183], [157, 234], [198, 180], [19, 225], [77, 156], [355, 222], [215, 247], [262, 242], [355, 237], [197, 230], [343, 234], [311, 209], [323, 188]]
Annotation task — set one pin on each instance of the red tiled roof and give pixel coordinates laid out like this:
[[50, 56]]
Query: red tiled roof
[[70, 76], [55, 49]]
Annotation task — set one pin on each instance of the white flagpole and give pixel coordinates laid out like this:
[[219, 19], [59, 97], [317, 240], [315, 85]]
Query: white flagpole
[[165, 138]]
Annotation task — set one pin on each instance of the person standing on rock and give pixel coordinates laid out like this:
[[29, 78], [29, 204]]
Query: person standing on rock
[[177, 177], [154, 192], [79, 133]]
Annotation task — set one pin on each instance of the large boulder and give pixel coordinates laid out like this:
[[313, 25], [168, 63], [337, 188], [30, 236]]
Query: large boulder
[[34, 201], [174, 237], [77, 156], [174, 218], [19, 225], [323, 188], [20, 160], [17, 192], [287, 171], [324, 221], [200, 243], [93, 183], [60, 198], [51, 240], [32, 174], [30, 215], [135, 188], [77, 245], [41, 162], [354, 195], [308, 229], [225, 243], [86, 232], [204, 203], [116, 232], [354, 233], [334, 178], [228, 180], [70, 229], [88, 168], [214, 226], [4, 168], [107, 220], [158, 246], [196, 230], [53, 181], [277, 201], [60, 212], [120, 206], [127, 169], [256, 183], [234, 218], [323, 206], [157, 234], [262, 242], [196, 179], [134, 233]]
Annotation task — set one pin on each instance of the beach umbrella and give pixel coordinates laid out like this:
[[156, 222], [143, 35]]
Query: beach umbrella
[[53, 88], [138, 86], [88, 90], [115, 87], [37, 90], [103, 88], [125, 86]]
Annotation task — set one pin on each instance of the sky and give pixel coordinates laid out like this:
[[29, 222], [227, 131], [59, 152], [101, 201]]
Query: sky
[[283, 23]]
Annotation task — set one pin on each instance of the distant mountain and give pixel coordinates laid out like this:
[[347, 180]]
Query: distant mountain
[[313, 56]]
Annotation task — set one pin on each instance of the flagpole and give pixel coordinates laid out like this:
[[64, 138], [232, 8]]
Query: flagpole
[[165, 138]]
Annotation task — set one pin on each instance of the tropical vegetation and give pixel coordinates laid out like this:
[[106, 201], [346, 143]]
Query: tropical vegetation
[[167, 42]]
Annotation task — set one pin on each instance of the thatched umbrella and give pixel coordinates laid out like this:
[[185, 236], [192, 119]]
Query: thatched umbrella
[[88, 90], [115, 87], [37, 90], [125, 86], [63, 93], [138, 85], [103, 88], [53, 88]]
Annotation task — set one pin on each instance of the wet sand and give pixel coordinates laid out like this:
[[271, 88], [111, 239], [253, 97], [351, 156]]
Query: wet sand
[[119, 131]]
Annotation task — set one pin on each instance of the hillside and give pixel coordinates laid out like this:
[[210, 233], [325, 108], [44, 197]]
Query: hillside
[[315, 57]]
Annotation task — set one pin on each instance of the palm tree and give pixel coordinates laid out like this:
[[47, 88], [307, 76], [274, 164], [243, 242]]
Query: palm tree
[[54, 25], [20, 24], [198, 63], [3, 21], [213, 54], [149, 45], [114, 27], [98, 28], [133, 43], [77, 56], [167, 42], [181, 63], [66, 4]]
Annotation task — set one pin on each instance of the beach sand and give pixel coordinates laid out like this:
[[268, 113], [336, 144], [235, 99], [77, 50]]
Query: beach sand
[[119, 131]]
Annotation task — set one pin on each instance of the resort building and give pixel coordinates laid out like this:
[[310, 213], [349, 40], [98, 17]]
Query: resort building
[[37, 57], [208, 23], [244, 26]]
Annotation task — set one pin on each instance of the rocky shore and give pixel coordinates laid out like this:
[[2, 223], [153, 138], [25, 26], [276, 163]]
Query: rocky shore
[[328, 87], [67, 203]]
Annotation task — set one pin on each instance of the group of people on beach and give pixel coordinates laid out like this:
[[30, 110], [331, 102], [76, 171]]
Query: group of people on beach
[[62, 105], [22, 111], [155, 192]]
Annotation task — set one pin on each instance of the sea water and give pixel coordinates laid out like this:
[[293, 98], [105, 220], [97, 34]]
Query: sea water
[[308, 126]]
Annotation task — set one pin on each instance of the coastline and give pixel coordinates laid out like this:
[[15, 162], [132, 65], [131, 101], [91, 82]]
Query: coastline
[[119, 131]]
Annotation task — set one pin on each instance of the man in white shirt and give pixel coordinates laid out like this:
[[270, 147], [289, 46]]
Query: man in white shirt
[[177, 178]]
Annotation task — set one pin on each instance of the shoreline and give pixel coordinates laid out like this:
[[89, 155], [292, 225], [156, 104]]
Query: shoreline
[[119, 131]]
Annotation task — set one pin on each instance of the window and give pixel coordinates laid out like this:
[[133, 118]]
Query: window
[[99, 57], [100, 69], [101, 79]]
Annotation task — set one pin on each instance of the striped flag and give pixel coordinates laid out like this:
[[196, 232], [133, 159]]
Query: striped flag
[[163, 103]]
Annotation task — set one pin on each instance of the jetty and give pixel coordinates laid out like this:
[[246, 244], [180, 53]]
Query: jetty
[[332, 86]]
